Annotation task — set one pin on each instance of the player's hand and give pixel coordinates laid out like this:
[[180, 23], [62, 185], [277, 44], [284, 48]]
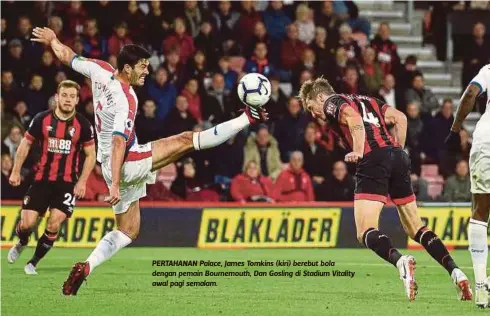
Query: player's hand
[[79, 189], [14, 179], [114, 195], [353, 157], [43, 35]]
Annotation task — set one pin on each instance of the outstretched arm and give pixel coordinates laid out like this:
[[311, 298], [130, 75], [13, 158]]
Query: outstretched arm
[[465, 106], [47, 36], [399, 122]]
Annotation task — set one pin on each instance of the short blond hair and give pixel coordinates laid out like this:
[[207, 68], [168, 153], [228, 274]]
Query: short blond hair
[[68, 84], [310, 89]]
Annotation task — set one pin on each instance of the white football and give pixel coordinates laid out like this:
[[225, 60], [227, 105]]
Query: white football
[[254, 90]]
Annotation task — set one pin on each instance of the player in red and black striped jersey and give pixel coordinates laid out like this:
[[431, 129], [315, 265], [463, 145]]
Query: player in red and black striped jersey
[[376, 132], [62, 134]]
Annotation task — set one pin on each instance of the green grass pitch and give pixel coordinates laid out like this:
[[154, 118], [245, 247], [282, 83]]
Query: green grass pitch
[[123, 286]]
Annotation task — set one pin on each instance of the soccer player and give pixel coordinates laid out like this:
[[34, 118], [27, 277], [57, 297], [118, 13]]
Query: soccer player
[[62, 134], [480, 180], [127, 166], [383, 168]]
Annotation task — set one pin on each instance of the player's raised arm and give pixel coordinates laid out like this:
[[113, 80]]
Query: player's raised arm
[[399, 121], [354, 121], [47, 36]]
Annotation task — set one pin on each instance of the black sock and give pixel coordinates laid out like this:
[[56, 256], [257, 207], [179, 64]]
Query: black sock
[[381, 245], [23, 235], [43, 245], [435, 248]]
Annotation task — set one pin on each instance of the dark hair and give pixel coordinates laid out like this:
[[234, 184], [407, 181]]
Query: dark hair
[[130, 55], [411, 59]]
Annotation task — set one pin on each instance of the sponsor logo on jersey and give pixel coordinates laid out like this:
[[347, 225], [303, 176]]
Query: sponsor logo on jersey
[[27, 199], [72, 131], [59, 146]]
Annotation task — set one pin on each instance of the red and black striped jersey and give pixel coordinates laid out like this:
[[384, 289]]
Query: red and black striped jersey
[[371, 110], [61, 142]]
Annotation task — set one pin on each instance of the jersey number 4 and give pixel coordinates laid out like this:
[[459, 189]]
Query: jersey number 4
[[368, 117], [98, 123]]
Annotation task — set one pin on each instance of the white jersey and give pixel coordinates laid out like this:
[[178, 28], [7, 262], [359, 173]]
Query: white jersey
[[115, 105], [481, 135]]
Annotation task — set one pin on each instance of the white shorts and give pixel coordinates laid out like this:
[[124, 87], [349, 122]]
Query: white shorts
[[136, 173], [480, 169]]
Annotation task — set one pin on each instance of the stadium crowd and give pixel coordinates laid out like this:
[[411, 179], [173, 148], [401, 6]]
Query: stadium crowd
[[199, 52]]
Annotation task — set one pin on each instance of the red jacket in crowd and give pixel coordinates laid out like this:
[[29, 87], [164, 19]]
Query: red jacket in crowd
[[184, 44], [115, 44], [243, 187], [294, 186], [291, 53], [194, 101]]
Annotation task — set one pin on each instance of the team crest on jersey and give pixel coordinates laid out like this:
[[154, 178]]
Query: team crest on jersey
[[27, 199], [48, 128], [330, 109], [129, 124], [72, 131]]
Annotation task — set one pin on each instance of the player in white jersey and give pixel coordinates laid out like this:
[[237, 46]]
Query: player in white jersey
[[127, 166], [480, 179]]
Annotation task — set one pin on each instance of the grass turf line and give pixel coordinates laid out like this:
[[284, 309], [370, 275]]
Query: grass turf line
[[123, 285]]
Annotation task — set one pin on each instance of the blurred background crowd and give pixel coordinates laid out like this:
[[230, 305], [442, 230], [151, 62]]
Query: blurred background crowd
[[199, 52]]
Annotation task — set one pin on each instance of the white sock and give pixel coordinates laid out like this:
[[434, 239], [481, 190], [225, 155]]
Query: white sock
[[220, 133], [478, 246], [107, 247]]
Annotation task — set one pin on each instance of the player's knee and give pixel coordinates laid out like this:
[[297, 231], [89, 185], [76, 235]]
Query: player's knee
[[24, 226], [53, 226]]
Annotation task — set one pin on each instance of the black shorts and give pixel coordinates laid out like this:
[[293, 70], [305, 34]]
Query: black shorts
[[43, 195], [384, 172]]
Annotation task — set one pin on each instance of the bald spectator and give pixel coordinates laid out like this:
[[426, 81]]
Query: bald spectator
[[341, 186], [263, 148], [179, 119], [294, 184], [291, 49], [251, 186], [180, 41], [386, 50], [476, 54], [162, 91]]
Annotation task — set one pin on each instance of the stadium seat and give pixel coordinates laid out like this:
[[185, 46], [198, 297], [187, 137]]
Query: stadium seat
[[429, 171]]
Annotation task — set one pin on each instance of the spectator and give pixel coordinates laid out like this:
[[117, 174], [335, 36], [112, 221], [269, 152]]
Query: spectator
[[404, 76], [276, 21], [416, 132], [94, 45], [372, 73], [304, 76], [250, 186], [198, 68], [417, 93], [294, 184], [34, 96], [4, 37], [8, 120], [191, 94], [341, 186], [225, 19], [260, 36], [56, 24], [290, 129], [386, 50], [318, 162], [119, 39], [48, 71], [457, 187], [10, 192], [179, 41], [208, 43], [245, 25], [304, 23], [233, 151], [75, 17], [324, 53], [346, 41], [440, 127], [259, 62], [420, 188], [194, 16], [360, 26], [292, 49], [179, 119], [103, 12], [388, 92], [188, 187], [163, 92], [229, 75], [263, 148], [278, 100], [476, 54], [96, 189], [136, 20], [148, 126], [337, 72], [175, 69], [351, 84], [308, 62], [327, 19], [13, 140], [218, 106], [10, 90], [158, 23], [16, 61], [21, 113]]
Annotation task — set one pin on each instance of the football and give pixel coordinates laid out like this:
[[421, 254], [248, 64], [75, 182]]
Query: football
[[254, 90]]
